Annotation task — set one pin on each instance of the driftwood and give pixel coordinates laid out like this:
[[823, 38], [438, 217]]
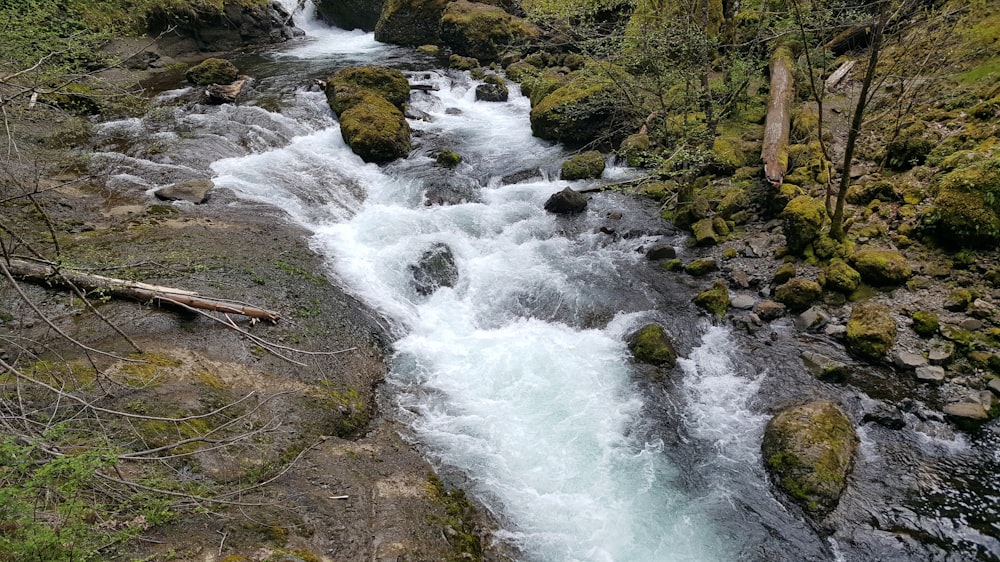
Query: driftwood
[[218, 94], [838, 75], [120, 288], [776, 127]]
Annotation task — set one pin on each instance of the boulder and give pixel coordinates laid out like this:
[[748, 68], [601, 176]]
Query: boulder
[[212, 71], [448, 158], [661, 252], [578, 112], [871, 331], [801, 221], [966, 211], [583, 166], [930, 373], [798, 293], [812, 319], [566, 202], [809, 450], [784, 273], [651, 345], [701, 266], [410, 22], [350, 14], [349, 86], [436, 268], [823, 367], [742, 302], [376, 130], [458, 62], [482, 31], [841, 277], [492, 91], [714, 300], [218, 94], [925, 323], [704, 233], [195, 191], [881, 267], [769, 310], [218, 26]]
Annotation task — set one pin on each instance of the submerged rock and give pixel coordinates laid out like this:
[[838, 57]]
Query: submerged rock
[[566, 202], [809, 450], [435, 269], [650, 344]]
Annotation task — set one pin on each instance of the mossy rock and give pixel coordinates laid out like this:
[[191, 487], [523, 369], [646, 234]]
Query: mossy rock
[[537, 87], [350, 14], [735, 200], [959, 300], [728, 154], [876, 188], [925, 323], [785, 272], [448, 158], [841, 277], [212, 71], [704, 233], [801, 221], [583, 166], [349, 86], [481, 30], [635, 149], [714, 300], [910, 148], [966, 211], [809, 451], [458, 62], [494, 90], [651, 345], [804, 124], [376, 130], [871, 330], [580, 111], [687, 213], [881, 267], [701, 267], [798, 293], [410, 22]]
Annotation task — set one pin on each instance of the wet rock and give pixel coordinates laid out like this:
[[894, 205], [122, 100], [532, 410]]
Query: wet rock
[[994, 386], [349, 87], [930, 373], [701, 267], [714, 300], [448, 158], [982, 309], [704, 233], [661, 252], [435, 269], [651, 345], [566, 202], [195, 191], [742, 302], [583, 166], [212, 71], [823, 367], [375, 129], [809, 451], [886, 416], [797, 294], [871, 331], [758, 247], [812, 319], [769, 310], [739, 278], [218, 94], [908, 360], [410, 22], [492, 92]]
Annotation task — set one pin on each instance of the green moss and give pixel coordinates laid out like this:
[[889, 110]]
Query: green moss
[[459, 521], [579, 111], [798, 293], [925, 323], [448, 158], [959, 300], [673, 265], [714, 300], [801, 221], [432, 50], [701, 267], [841, 277], [704, 233], [635, 148], [881, 267], [650, 344], [583, 166], [871, 330], [459, 62], [785, 272], [212, 71], [910, 148], [351, 86], [375, 130], [481, 30], [728, 154], [966, 211]]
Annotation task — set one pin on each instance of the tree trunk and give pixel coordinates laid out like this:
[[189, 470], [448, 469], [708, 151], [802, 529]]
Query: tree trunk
[[46, 275], [779, 112]]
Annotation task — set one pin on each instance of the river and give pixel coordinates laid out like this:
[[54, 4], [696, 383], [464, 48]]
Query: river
[[516, 382]]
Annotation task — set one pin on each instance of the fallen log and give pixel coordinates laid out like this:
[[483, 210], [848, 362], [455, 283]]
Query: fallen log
[[838, 75], [218, 94], [774, 152], [120, 288]]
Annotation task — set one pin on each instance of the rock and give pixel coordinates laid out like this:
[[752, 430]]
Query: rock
[[956, 334], [812, 319], [965, 212], [351, 14], [784, 273], [994, 386], [841, 277], [739, 278], [971, 324], [661, 252], [797, 294], [982, 309], [218, 26], [769, 310], [351, 85], [925, 323], [958, 300], [481, 30], [930, 373], [704, 233], [212, 71], [195, 191], [579, 111], [714, 300], [838, 331], [410, 22], [742, 302], [566, 202], [969, 409], [436, 268], [448, 158], [871, 331], [809, 451], [801, 221], [908, 360], [881, 267], [492, 92], [823, 367], [886, 416], [583, 166], [651, 345], [376, 130], [521, 176], [701, 267], [758, 247], [941, 352]]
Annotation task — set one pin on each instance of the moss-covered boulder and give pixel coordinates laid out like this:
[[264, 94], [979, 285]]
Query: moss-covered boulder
[[704, 233], [650, 344], [212, 71], [635, 149], [410, 22], [966, 211], [714, 300], [494, 90], [482, 31], [350, 14], [785, 272], [925, 323], [537, 86], [349, 86], [881, 267], [701, 266], [583, 166], [801, 222], [798, 293], [809, 451], [448, 158], [375, 129], [841, 277], [910, 148], [580, 111], [871, 330], [458, 62]]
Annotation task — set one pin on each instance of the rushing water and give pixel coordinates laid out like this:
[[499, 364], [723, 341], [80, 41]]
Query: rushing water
[[517, 379]]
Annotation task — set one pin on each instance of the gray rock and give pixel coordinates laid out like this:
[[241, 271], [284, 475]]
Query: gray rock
[[812, 319], [982, 309], [195, 191], [435, 269], [757, 247], [739, 278], [823, 367], [971, 324], [566, 202], [908, 360], [491, 92], [968, 409], [930, 373], [885, 415], [994, 385], [742, 302], [838, 331], [661, 252], [769, 310], [941, 352]]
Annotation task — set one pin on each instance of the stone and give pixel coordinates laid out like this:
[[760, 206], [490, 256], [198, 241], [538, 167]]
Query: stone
[[758, 247], [841, 277], [739, 278], [930, 373], [941, 352], [584, 166], [482, 31], [823, 367], [871, 331], [351, 14], [578, 111], [704, 233], [651, 345], [701, 267], [409, 22], [714, 300], [350, 86], [971, 324], [958, 300], [809, 450], [908, 360], [784, 274], [566, 202], [436, 268], [994, 385], [769, 310], [798, 294], [982, 309], [885, 415], [812, 319], [838, 331], [492, 92], [881, 267], [194, 191], [742, 302], [212, 71], [375, 129], [661, 252], [925, 323], [801, 221], [967, 410]]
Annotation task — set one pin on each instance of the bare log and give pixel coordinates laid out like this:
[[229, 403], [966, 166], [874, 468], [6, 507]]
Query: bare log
[[776, 127], [120, 288], [218, 94], [838, 75]]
